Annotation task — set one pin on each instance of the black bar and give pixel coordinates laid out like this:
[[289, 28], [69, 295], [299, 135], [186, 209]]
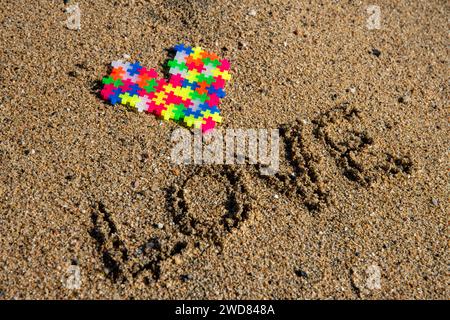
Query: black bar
[[225, 309]]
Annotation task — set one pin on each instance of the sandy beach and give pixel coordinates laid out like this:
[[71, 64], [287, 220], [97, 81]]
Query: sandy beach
[[93, 207]]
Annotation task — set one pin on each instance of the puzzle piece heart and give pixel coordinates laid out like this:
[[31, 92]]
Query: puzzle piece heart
[[191, 95]]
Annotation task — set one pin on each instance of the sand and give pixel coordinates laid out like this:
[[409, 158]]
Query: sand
[[357, 211]]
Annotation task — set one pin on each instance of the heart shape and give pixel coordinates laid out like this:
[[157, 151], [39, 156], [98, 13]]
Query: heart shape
[[191, 95]]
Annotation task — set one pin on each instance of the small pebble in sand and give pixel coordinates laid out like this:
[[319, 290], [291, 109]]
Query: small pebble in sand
[[252, 13], [73, 74], [276, 196], [185, 277], [375, 52], [435, 202], [152, 244], [126, 56], [143, 157], [301, 273], [405, 98], [352, 90], [160, 225], [242, 45]]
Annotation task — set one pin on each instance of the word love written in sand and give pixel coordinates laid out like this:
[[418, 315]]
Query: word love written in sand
[[191, 96]]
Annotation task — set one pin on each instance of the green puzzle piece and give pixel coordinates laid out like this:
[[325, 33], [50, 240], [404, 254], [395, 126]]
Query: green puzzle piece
[[178, 111], [194, 95], [211, 62], [150, 87], [109, 80], [204, 78], [176, 64]]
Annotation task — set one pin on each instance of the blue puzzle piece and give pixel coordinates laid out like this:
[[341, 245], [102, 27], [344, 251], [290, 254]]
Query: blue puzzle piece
[[182, 47], [186, 84], [134, 89], [196, 114], [219, 92], [204, 107], [114, 98], [214, 109], [134, 68]]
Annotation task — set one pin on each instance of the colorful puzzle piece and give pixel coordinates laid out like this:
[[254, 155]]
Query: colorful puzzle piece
[[191, 95]]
